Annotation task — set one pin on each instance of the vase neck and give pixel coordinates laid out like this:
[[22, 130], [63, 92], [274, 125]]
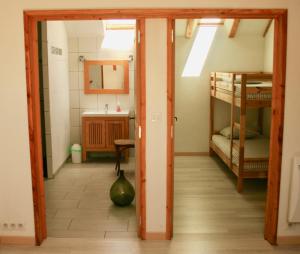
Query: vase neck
[[121, 173]]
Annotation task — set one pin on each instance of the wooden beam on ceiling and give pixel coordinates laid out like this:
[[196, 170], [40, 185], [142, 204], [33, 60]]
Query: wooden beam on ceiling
[[190, 28], [267, 27], [234, 28]]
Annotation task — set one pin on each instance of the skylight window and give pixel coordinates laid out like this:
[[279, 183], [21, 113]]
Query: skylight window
[[211, 21], [200, 49], [118, 34], [118, 39], [119, 24]]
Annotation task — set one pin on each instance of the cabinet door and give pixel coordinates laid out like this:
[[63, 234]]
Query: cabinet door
[[115, 129], [94, 133]]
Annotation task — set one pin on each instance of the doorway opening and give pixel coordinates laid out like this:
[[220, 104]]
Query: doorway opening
[[192, 180], [208, 170], [86, 88]]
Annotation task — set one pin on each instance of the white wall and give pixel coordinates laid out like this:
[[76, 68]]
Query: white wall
[[15, 176], [156, 124], [242, 53], [90, 48], [269, 49], [268, 67], [58, 93]]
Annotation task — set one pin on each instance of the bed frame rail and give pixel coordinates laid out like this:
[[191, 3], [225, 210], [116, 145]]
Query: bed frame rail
[[225, 84]]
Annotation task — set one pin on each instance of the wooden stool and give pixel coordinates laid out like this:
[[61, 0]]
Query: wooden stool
[[120, 146]]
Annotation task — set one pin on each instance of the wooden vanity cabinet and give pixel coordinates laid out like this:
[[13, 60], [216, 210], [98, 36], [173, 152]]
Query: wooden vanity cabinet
[[99, 133]]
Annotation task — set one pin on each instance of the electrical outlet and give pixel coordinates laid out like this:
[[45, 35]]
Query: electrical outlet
[[20, 225], [13, 226], [5, 226]]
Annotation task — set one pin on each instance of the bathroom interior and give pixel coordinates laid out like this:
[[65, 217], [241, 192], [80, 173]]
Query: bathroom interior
[[87, 102]]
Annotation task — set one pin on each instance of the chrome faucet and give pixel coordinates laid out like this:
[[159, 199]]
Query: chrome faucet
[[106, 108]]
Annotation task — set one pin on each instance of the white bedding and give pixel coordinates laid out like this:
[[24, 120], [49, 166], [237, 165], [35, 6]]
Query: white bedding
[[254, 148], [228, 85]]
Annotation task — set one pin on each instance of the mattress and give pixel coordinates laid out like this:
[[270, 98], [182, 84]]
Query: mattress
[[254, 148], [227, 87]]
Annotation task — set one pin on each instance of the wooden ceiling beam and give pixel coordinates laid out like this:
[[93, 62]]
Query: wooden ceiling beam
[[267, 27], [190, 28], [234, 28]]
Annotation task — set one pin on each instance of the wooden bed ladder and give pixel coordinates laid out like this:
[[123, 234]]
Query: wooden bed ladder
[[241, 126], [232, 119], [212, 111], [242, 132]]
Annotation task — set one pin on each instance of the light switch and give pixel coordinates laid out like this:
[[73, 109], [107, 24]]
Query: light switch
[[155, 117]]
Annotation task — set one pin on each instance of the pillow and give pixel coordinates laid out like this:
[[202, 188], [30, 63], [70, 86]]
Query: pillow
[[226, 132]]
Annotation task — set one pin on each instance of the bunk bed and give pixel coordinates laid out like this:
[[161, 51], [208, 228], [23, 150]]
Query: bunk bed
[[245, 157]]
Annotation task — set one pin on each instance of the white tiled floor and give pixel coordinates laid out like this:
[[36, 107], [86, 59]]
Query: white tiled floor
[[78, 202]]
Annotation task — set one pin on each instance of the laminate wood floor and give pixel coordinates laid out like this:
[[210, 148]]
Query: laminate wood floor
[[78, 202], [210, 217], [206, 200]]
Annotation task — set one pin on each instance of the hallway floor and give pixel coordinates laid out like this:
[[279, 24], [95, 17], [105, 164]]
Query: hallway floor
[[78, 202], [210, 216]]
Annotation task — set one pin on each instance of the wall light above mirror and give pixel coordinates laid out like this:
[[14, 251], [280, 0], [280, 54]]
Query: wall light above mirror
[[106, 77]]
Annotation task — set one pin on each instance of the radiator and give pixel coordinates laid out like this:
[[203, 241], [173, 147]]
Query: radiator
[[294, 201]]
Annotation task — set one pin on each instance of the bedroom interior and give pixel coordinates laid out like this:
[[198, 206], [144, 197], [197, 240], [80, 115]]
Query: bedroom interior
[[223, 89], [87, 93]]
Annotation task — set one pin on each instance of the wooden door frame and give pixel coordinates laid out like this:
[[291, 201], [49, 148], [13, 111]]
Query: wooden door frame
[[170, 125], [31, 18], [141, 121], [278, 97]]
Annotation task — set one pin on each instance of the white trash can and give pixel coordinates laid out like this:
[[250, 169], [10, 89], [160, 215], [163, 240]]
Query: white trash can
[[76, 153]]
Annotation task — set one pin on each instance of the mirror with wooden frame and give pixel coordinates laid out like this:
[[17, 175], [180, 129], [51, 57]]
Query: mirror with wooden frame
[[106, 77]]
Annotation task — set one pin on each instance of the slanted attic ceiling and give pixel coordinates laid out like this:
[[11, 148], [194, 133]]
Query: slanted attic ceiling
[[84, 28], [246, 26], [94, 28]]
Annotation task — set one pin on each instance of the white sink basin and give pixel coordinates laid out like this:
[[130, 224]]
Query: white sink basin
[[106, 113]]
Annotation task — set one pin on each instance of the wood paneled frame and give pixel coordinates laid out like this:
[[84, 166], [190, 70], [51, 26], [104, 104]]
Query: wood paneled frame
[[170, 125], [278, 96], [88, 90], [31, 18]]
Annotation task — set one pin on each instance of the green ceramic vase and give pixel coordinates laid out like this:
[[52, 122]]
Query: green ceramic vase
[[122, 192]]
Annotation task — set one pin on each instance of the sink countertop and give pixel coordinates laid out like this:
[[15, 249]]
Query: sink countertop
[[103, 113]]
